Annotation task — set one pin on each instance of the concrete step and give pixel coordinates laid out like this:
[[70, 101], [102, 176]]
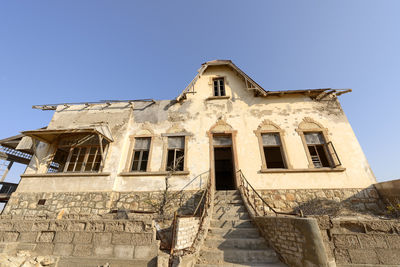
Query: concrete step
[[231, 224], [227, 196], [231, 216], [231, 208], [216, 256], [234, 233], [225, 201], [229, 264], [240, 243], [227, 193], [95, 262]]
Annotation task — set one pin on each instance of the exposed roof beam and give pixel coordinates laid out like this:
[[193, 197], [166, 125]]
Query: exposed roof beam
[[107, 102]]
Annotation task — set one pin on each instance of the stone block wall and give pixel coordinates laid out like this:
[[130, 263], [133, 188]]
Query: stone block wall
[[390, 194], [186, 231], [297, 240], [361, 241], [92, 203], [114, 239], [324, 201]]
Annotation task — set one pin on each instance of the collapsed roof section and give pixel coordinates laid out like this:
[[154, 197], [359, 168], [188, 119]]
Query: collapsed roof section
[[251, 85]]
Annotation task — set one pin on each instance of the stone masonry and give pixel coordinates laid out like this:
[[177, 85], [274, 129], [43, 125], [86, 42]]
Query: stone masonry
[[296, 240], [324, 201], [362, 241], [111, 239], [93, 203], [186, 231]]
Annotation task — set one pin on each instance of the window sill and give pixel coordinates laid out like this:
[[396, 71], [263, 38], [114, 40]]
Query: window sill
[[302, 170], [64, 174], [218, 97], [161, 173]]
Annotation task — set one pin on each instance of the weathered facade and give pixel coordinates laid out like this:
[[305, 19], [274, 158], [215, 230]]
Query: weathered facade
[[222, 122], [226, 155]]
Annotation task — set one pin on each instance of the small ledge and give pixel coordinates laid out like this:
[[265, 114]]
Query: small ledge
[[218, 97], [162, 173], [64, 174], [302, 170]]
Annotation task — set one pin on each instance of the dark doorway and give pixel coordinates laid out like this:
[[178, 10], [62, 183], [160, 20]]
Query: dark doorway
[[223, 164]]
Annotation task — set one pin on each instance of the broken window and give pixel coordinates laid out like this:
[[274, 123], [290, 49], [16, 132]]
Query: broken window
[[175, 153], [317, 148], [273, 153], [219, 87], [141, 154], [80, 153]]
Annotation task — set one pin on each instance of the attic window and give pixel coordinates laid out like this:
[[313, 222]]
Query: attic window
[[219, 87]]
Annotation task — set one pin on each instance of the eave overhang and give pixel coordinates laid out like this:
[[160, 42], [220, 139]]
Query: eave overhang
[[50, 135], [251, 85]]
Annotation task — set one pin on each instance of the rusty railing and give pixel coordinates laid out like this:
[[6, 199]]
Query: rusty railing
[[205, 199]]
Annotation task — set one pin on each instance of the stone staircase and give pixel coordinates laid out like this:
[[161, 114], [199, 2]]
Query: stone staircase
[[232, 239]]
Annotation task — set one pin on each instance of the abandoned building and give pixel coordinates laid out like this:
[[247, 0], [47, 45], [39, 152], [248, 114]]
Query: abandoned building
[[223, 137]]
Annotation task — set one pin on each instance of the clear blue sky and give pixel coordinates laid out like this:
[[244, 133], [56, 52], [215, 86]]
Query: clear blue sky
[[68, 51]]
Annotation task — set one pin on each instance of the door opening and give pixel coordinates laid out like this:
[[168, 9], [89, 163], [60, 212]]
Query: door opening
[[223, 164]]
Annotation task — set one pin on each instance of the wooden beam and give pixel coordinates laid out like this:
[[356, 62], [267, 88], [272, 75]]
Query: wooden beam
[[6, 171], [9, 157]]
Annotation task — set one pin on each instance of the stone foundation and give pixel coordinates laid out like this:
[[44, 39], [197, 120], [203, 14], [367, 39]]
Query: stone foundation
[[93, 203], [390, 194], [114, 239], [297, 240], [361, 241], [324, 201]]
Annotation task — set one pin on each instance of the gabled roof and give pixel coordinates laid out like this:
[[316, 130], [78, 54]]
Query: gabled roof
[[251, 85]]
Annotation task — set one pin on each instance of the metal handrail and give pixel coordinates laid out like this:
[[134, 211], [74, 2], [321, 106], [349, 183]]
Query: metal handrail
[[179, 193], [245, 190], [206, 193]]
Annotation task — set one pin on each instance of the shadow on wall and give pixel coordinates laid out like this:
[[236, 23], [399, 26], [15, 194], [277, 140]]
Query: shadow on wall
[[332, 202]]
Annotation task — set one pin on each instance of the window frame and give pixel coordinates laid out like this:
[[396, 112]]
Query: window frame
[[165, 151], [324, 133], [259, 132], [131, 154], [69, 152], [219, 86]]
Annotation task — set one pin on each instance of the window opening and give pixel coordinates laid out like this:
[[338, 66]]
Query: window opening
[[175, 154], [318, 152], [77, 154], [219, 87], [141, 154], [272, 147]]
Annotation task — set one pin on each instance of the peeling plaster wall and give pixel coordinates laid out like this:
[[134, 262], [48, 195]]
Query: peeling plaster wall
[[195, 116]]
